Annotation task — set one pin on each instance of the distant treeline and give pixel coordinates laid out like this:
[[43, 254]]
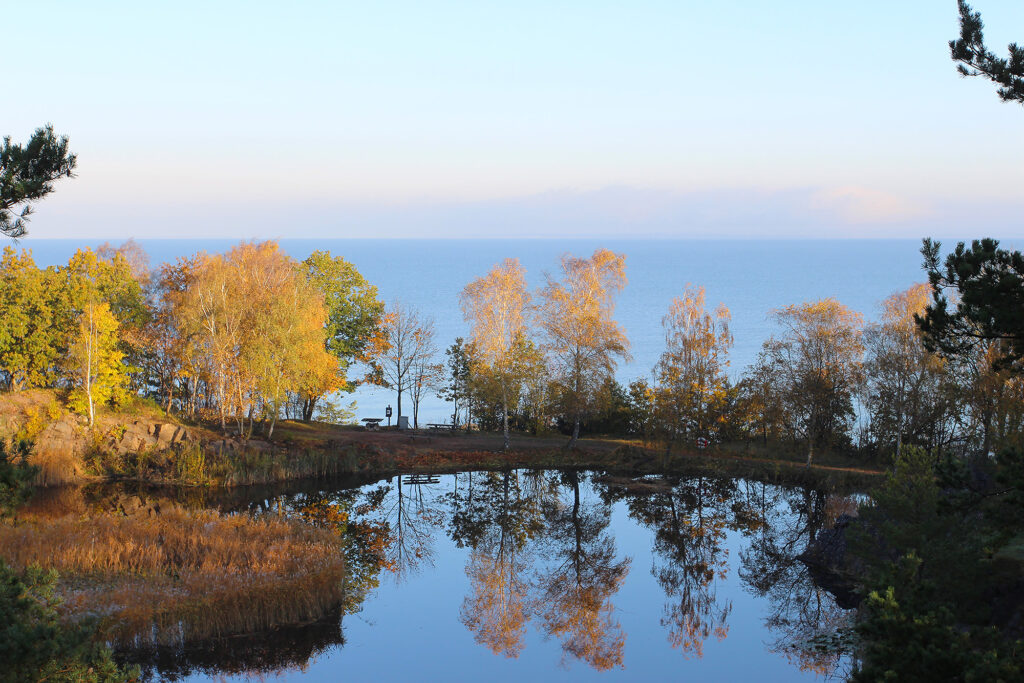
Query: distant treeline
[[245, 337]]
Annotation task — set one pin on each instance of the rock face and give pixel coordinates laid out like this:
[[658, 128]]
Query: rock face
[[62, 442], [144, 435], [830, 565], [58, 452]]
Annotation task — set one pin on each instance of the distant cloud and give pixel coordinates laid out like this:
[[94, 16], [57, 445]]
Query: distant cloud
[[858, 205], [617, 211]]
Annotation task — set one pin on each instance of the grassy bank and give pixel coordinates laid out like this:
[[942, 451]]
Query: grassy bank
[[361, 453], [624, 460], [141, 444], [172, 576]]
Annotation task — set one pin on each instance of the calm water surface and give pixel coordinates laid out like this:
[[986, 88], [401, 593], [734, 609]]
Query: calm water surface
[[554, 576]]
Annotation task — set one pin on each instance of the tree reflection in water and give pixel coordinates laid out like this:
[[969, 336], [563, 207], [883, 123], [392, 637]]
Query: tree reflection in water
[[804, 616], [496, 520], [541, 551], [582, 576], [689, 519], [512, 521], [254, 656]]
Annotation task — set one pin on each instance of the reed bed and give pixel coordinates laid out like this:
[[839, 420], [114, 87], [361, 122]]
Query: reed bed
[[179, 576], [58, 466], [246, 468]]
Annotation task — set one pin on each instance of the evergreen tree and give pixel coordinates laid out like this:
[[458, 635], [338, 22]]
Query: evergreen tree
[[457, 388], [36, 646], [15, 477], [988, 292], [27, 174], [974, 59]]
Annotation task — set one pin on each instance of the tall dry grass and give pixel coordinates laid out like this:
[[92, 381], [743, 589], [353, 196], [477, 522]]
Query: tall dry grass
[[179, 576], [58, 466], [247, 468]]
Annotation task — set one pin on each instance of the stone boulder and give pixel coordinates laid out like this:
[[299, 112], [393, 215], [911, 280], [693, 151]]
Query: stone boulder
[[142, 435], [831, 566]]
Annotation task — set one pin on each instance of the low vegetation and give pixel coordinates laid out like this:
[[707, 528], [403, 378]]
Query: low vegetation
[[940, 569], [174, 575]]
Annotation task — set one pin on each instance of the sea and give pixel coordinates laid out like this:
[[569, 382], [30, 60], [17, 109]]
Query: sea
[[751, 277]]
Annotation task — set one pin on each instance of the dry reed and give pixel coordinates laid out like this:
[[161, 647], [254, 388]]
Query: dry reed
[[180, 576], [57, 465], [246, 468]]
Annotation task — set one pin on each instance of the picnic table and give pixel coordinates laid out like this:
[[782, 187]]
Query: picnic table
[[372, 423], [437, 425]]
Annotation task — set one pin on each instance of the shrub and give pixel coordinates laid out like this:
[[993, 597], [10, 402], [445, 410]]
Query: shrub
[[35, 645], [15, 477]]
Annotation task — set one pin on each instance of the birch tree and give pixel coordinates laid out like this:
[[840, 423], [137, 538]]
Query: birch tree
[[817, 360], [95, 361], [906, 396], [407, 341], [581, 337], [211, 311], [497, 308], [259, 325], [691, 373]]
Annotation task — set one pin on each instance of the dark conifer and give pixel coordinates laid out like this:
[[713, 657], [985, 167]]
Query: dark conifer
[[988, 305], [27, 174], [974, 59]]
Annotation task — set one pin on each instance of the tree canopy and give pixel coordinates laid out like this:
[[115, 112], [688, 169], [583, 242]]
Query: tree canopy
[[27, 174], [582, 337], [974, 59], [497, 307], [977, 297]]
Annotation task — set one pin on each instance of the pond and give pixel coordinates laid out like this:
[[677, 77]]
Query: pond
[[551, 575]]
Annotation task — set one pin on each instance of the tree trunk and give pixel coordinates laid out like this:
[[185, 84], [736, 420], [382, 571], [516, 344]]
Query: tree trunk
[[170, 395], [504, 416], [575, 433], [88, 367], [222, 406], [307, 408], [248, 431], [398, 419], [577, 527]]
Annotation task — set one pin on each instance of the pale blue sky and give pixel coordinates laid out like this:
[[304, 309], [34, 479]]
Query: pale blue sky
[[731, 118]]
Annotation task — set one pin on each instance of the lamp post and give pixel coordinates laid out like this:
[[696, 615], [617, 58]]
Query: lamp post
[[387, 413]]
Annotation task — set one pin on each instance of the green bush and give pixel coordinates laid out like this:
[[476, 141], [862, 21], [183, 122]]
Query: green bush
[[16, 476], [35, 646], [926, 543]]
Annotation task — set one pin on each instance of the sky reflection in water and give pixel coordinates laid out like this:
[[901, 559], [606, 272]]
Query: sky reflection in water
[[561, 575]]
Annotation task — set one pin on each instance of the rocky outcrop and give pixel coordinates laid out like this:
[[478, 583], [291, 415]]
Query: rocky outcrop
[[831, 566], [58, 452], [62, 442], [147, 435]]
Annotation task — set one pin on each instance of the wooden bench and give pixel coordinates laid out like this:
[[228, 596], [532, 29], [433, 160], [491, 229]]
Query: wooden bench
[[372, 423]]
